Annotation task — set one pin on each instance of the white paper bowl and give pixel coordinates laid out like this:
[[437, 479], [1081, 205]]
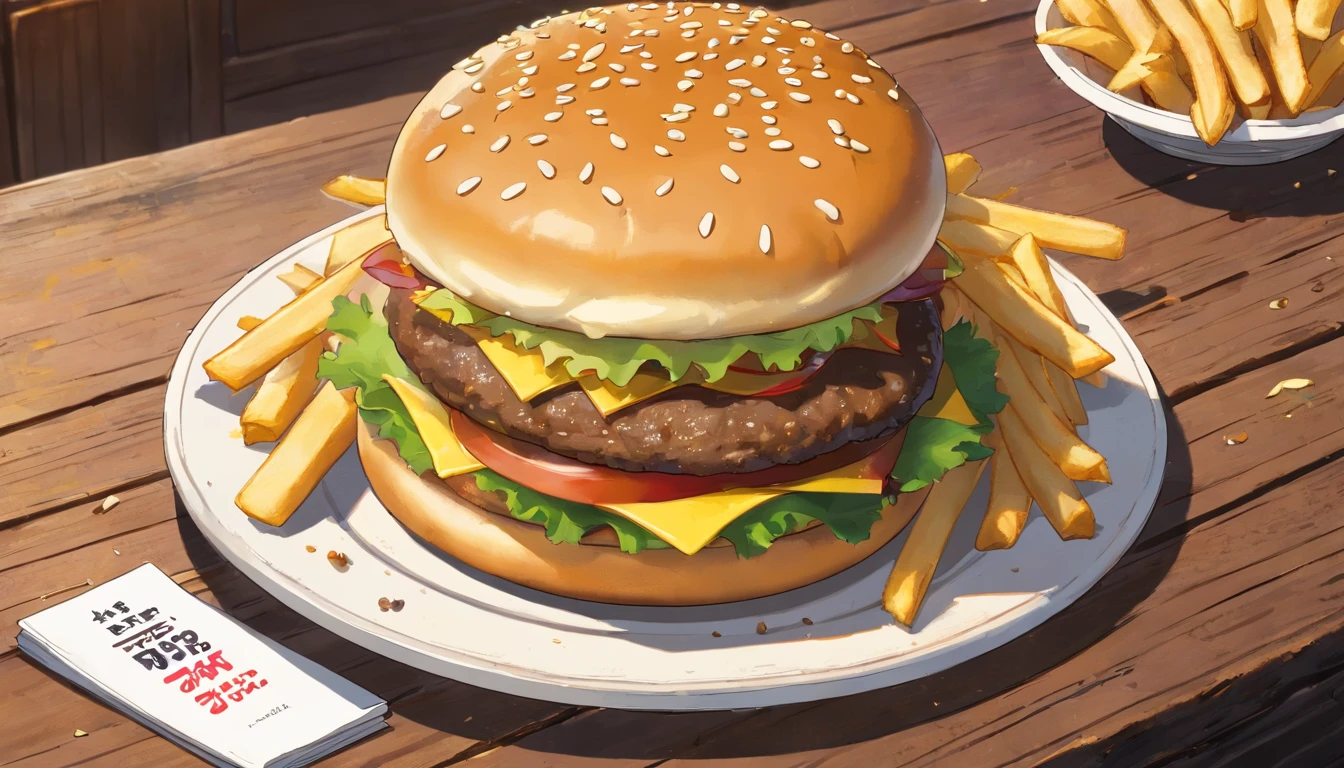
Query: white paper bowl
[[1252, 142]]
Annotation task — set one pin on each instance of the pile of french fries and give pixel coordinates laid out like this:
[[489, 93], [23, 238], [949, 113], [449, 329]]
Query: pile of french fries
[[1210, 59], [1006, 291], [1009, 295]]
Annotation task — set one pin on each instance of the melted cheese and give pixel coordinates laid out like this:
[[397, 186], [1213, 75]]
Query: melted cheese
[[525, 371], [431, 421], [947, 402], [609, 398]]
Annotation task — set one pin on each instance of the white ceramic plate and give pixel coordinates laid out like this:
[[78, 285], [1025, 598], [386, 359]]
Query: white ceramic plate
[[463, 624], [1251, 142]]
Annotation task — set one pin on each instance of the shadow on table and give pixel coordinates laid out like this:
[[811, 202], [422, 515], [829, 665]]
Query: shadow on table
[[1245, 192]]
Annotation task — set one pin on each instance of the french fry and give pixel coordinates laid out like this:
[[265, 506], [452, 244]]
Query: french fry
[[1058, 496], [1024, 317], [299, 278], [909, 579], [981, 239], [324, 430], [1052, 230], [1234, 47], [1243, 13], [1009, 502], [962, 171], [357, 190], [1277, 33], [1089, 13], [248, 322], [1034, 366], [1141, 29], [1213, 110], [282, 394], [1055, 437], [355, 241], [1325, 68], [1133, 72], [1162, 85], [282, 334], [1314, 17]]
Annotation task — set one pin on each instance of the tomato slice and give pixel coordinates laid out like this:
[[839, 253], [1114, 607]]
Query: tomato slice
[[566, 478], [384, 265]]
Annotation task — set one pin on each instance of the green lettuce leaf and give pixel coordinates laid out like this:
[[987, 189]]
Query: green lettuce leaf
[[850, 516], [972, 360], [360, 361], [617, 359]]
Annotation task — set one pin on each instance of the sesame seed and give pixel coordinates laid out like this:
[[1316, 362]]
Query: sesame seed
[[757, 92], [636, 32], [611, 195], [768, 40], [682, 108], [617, 141], [685, 85], [842, 141], [735, 39], [769, 104], [448, 111], [676, 135], [799, 97], [694, 73], [837, 127], [737, 146], [614, 67], [736, 133], [734, 64], [688, 34], [474, 68], [858, 146], [527, 93], [769, 119], [873, 64], [650, 33], [682, 58], [629, 82], [544, 35], [821, 74], [503, 105], [675, 117], [710, 56], [500, 143], [586, 173], [645, 55], [573, 46], [733, 98], [758, 60], [649, 67], [664, 188], [477, 87], [847, 47], [863, 79], [894, 95], [725, 23], [807, 41], [537, 138], [598, 121], [691, 25], [853, 98], [830, 36], [808, 162], [434, 153], [784, 50], [729, 174], [738, 82], [504, 91], [594, 52], [599, 83], [688, 10], [567, 56], [786, 70], [840, 93], [468, 185], [513, 190], [587, 66], [661, 150], [781, 144], [564, 87], [772, 131], [720, 110], [551, 117], [529, 71], [759, 13], [523, 56], [629, 48], [468, 128], [800, 24], [713, 42], [562, 99], [764, 241], [546, 169], [827, 208], [793, 81], [594, 112], [706, 224]]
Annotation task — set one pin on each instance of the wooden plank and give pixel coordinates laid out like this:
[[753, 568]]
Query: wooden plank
[[263, 24], [145, 72], [57, 99], [9, 170], [204, 40]]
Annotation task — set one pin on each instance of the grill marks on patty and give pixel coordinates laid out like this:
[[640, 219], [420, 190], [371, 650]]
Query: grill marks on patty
[[859, 394]]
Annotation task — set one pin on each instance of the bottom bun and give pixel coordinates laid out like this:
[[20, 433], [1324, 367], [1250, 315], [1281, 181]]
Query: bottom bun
[[520, 552]]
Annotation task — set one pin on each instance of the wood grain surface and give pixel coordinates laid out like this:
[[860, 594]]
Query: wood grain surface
[[1217, 640]]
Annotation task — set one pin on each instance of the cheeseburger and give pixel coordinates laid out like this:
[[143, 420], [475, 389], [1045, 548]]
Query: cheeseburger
[[659, 325]]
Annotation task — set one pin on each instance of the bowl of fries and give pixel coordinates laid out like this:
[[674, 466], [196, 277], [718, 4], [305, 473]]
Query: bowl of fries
[[1235, 82]]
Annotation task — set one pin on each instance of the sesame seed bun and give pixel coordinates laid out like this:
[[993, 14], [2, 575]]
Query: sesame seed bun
[[597, 569], [697, 172]]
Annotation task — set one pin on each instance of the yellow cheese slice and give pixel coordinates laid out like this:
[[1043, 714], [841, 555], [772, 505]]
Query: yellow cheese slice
[[690, 524], [431, 421], [609, 398], [947, 402]]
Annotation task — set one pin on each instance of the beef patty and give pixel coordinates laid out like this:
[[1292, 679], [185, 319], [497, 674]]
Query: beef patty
[[857, 395]]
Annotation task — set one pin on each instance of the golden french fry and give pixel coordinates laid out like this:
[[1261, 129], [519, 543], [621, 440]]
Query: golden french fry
[[1009, 501], [1314, 17], [1024, 317], [1213, 110], [1034, 367], [1163, 85], [299, 278], [1052, 230], [282, 334], [1234, 47], [1089, 13], [1325, 67], [1134, 71], [1058, 496], [357, 190], [356, 240], [248, 322], [1277, 33], [324, 430], [1140, 28], [1243, 13], [1031, 262], [962, 171], [1055, 437], [971, 237], [281, 395], [909, 579]]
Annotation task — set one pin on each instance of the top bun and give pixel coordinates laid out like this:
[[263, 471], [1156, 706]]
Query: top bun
[[668, 171]]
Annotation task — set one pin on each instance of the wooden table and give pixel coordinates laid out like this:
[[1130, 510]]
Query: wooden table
[[1218, 639]]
